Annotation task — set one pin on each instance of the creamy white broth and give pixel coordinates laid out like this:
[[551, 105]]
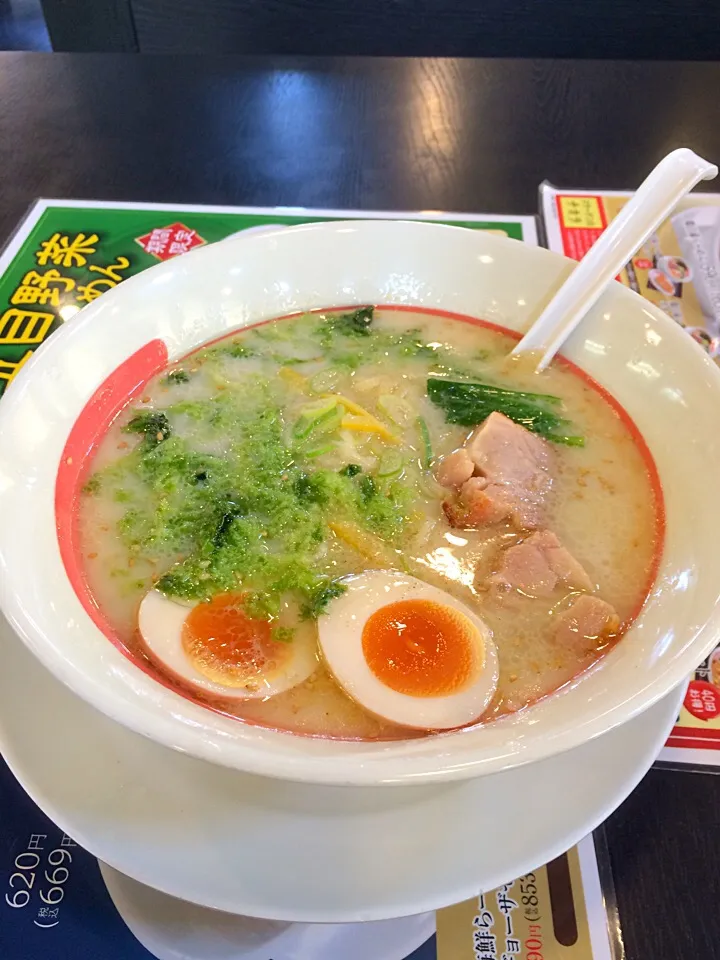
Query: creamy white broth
[[602, 505]]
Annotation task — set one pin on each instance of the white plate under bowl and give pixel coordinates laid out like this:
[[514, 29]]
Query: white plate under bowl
[[291, 851]]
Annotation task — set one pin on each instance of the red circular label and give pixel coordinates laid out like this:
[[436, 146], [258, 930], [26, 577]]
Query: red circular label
[[702, 700], [642, 264]]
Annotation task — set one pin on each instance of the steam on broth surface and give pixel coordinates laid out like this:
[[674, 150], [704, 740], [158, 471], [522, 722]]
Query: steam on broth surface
[[237, 494]]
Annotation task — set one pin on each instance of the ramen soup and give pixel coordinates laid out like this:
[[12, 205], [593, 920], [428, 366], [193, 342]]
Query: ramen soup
[[368, 524]]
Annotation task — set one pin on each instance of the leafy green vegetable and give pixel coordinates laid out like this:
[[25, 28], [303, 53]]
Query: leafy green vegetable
[[238, 350], [177, 376], [92, 486], [411, 345], [350, 470], [356, 323], [367, 488], [283, 634], [320, 598], [350, 340], [154, 424], [231, 512], [469, 403], [310, 489], [171, 511], [347, 360]]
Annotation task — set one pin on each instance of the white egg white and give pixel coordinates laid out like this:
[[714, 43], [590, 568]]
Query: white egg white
[[340, 632], [161, 620]]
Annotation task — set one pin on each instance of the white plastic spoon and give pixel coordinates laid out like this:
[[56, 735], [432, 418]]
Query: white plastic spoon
[[652, 203]]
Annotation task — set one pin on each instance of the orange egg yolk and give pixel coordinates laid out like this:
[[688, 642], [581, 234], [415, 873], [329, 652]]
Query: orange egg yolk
[[228, 646], [421, 648]]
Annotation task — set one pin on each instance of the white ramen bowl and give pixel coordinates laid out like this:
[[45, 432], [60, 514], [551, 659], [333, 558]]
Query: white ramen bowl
[[666, 383]]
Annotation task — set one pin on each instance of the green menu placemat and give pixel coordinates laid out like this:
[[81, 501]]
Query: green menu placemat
[[67, 253]]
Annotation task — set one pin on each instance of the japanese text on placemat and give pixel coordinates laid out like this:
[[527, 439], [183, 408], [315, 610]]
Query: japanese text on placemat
[[64, 281], [494, 935]]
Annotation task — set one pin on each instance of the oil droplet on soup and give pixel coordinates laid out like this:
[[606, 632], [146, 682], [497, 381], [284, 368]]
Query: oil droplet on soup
[[287, 457]]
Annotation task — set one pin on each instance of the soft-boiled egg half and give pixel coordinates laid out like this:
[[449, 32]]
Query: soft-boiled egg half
[[216, 647], [409, 652]]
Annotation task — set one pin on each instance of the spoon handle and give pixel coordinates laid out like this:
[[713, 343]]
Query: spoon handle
[[651, 204]]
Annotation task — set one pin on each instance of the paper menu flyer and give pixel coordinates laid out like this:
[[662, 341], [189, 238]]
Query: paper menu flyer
[[678, 269], [555, 913], [55, 906], [67, 253], [695, 738]]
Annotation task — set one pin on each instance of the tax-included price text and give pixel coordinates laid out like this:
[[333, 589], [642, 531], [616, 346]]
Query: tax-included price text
[[38, 879]]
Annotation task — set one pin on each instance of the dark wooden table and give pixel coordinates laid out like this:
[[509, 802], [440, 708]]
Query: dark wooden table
[[401, 134]]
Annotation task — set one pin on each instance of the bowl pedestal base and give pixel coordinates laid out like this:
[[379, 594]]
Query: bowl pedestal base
[[173, 929]]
